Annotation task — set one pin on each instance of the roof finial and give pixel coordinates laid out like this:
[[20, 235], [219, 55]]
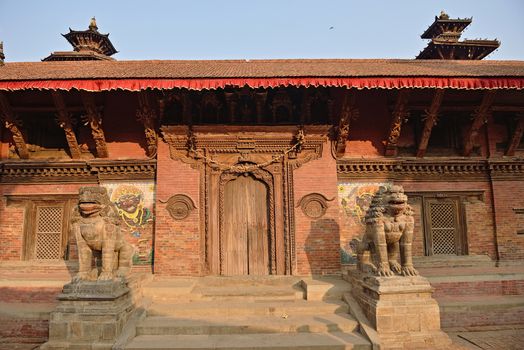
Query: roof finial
[[92, 25], [443, 15], [2, 57]]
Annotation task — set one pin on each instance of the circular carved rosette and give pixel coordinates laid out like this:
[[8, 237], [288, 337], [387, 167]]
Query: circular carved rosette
[[314, 205], [180, 206]]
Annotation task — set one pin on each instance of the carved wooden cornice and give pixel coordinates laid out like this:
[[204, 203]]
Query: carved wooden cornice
[[431, 170], [431, 120], [76, 171], [64, 121], [94, 118], [400, 113], [256, 141], [480, 117], [8, 118]]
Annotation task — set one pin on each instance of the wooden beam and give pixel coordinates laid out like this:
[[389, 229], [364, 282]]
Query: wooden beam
[[146, 114], [10, 121], [400, 112], [64, 121], [517, 136], [95, 122], [480, 117], [431, 120], [348, 113]]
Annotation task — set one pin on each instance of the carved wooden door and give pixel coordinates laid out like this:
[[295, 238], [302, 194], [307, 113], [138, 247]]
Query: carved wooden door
[[245, 236]]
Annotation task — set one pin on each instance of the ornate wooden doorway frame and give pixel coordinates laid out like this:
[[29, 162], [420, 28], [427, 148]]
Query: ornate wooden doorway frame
[[222, 152]]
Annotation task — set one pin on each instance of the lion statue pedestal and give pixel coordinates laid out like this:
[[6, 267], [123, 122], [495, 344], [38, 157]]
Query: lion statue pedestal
[[393, 297], [94, 307]]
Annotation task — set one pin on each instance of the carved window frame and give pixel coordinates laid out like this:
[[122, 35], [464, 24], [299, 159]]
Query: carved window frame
[[31, 203]]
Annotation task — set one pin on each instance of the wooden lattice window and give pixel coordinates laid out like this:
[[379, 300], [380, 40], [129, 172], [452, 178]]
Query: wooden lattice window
[[444, 231], [46, 229]]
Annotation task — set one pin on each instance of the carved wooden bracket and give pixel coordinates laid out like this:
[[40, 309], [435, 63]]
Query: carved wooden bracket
[[349, 112], [146, 114], [95, 122], [400, 113], [480, 117], [64, 121], [431, 120], [517, 136], [180, 206], [12, 124], [314, 205]]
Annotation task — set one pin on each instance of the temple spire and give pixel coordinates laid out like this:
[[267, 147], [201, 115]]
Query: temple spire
[[88, 45], [92, 25], [445, 44]]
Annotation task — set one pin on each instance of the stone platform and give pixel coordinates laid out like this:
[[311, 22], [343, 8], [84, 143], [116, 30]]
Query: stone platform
[[401, 310]]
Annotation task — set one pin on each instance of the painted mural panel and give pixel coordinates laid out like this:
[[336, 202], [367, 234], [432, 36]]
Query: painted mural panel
[[354, 198], [135, 202]]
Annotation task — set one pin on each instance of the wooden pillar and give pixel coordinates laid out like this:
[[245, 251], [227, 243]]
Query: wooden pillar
[[348, 113], [64, 121], [431, 120], [12, 124], [146, 114], [517, 136], [400, 112], [95, 122], [480, 117]]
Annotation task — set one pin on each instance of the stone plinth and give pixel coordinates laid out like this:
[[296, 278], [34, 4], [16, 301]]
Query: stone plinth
[[401, 309], [89, 315]]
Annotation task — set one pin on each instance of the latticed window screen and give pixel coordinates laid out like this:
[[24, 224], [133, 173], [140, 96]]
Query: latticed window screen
[[49, 221], [443, 227]]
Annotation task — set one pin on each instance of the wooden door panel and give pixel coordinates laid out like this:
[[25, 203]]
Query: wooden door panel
[[245, 227]]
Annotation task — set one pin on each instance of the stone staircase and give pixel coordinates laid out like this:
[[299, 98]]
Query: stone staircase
[[274, 312]]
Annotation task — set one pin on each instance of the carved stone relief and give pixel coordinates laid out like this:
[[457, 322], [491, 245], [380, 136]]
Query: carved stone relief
[[314, 205], [180, 206]]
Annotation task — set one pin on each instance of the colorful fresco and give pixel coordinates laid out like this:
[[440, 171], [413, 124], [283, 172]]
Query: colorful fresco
[[135, 203], [354, 199]]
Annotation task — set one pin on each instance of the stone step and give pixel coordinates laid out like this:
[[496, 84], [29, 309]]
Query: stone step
[[228, 308], [161, 325], [277, 341], [473, 311]]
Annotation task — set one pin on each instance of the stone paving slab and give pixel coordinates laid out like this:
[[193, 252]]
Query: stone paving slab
[[512, 339]]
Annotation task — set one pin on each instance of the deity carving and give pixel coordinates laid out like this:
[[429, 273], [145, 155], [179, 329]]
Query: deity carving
[[389, 231], [96, 226]]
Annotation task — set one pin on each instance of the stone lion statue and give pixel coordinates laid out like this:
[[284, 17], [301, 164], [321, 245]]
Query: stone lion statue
[[96, 226], [389, 231]]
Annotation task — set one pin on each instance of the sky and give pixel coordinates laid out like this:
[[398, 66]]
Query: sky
[[243, 29]]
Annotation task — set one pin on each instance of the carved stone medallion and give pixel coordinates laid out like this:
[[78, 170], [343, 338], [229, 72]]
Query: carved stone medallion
[[314, 205], [180, 206]]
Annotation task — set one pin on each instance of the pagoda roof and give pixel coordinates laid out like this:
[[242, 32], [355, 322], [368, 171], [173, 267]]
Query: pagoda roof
[[212, 74], [461, 50], [91, 40], [442, 25]]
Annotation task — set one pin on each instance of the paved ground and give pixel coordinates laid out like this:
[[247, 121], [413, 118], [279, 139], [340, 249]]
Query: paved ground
[[505, 339]]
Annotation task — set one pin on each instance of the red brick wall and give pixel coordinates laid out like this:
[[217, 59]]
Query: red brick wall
[[507, 196], [317, 240], [177, 243]]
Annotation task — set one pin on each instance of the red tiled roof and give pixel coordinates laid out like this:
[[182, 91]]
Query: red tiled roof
[[299, 72]]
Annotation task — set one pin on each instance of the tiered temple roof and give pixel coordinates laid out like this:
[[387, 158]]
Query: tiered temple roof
[[88, 45], [445, 34]]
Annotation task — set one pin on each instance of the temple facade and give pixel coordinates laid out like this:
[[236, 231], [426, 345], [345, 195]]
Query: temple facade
[[260, 167]]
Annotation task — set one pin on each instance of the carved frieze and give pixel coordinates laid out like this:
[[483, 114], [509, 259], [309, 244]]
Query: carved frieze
[[180, 206], [422, 170], [75, 171]]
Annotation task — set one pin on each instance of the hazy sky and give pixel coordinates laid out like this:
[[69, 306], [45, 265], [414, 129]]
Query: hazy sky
[[242, 29]]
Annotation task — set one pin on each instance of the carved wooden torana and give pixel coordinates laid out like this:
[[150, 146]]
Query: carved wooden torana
[[259, 159]]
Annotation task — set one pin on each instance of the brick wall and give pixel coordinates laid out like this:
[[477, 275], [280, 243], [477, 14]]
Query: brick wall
[[177, 243], [317, 240]]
